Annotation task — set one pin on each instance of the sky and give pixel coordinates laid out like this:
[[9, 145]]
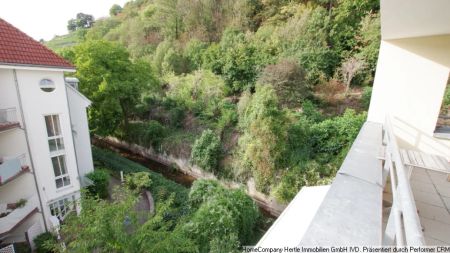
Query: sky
[[43, 19]]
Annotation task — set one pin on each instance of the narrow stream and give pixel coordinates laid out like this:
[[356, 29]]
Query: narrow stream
[[169, 173]]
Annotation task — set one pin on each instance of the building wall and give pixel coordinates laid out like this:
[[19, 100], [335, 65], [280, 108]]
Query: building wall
[[8, 94], [410, 87], [414, 18], [78, 105], [36, 104]]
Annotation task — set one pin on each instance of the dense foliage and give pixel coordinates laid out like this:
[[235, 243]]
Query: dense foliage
[[103, 226], [208, 219], [221, 214], [100, 179], [206, 151], [273, 91], [44, 242], [160, 186]]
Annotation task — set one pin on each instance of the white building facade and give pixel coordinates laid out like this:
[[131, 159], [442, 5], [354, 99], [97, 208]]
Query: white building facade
[[44, 137]]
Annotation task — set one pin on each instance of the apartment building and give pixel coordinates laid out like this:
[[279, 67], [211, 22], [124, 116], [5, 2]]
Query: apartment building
[[45, 148]]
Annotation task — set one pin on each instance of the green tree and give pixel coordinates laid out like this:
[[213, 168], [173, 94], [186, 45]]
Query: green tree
[[369, 40], [347, 16], [223, 216], [262, 145], [114, 227], [112, 82], [81, 21], [206, 151], [115, 10], [169, 18]]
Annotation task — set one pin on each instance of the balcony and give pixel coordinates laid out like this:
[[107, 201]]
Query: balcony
[[8, 119], [379, 197], [13, 215], [12, 168]]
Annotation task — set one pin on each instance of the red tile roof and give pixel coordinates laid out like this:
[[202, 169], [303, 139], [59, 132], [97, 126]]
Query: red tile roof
[[17, 48]]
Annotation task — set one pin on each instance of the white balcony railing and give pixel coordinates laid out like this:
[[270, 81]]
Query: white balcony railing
[[11, 167], [8, 118], [403, 226], [8, 115]]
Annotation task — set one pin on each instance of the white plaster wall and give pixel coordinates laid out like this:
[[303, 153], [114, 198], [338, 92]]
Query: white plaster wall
[[8, 94], [414, 18], [13, 143], [18, 234], [410, 88], [22, 187], [78, 114], [37, 104]]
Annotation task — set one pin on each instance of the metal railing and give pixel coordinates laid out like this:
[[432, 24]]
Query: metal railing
[[403, 226], [8, 249], [8, 115]]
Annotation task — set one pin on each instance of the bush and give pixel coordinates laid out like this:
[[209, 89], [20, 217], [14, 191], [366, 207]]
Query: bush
[[44, 242], [147, 134], [138, 181], [333, 136], [201, 92], [222, 214], [289, 81], [366, 96], [206, 151], [202, 190], [263, 143], [100, 177], [295, 178], [228, 116]]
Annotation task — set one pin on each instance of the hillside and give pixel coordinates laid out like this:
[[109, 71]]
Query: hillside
[[273, 91]]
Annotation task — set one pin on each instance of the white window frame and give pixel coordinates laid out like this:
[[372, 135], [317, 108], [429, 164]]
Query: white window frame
[[59, 152], [62, 207]]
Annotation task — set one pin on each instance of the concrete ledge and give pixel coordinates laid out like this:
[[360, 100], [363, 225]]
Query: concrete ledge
[[351, 213]]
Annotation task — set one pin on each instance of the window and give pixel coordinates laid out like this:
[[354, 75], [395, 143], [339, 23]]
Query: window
[[55, 140], [57, 153], [59, 168], [47, 85], [60, 208]]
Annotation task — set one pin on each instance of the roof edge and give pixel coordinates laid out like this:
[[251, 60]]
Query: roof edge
[[6, 65]]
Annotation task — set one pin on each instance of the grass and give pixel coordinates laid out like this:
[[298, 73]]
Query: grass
[[62, 41]]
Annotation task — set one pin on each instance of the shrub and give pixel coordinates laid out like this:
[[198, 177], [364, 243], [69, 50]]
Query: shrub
[[366, 96], [147, 134], [206, 151], [263, 143], [203, 190], [201, 92], [288, 80], [138, 181], [100, 177], [44, 242], [222, 214], [333, 136], [228, 116], [295, 178], [311, 112]]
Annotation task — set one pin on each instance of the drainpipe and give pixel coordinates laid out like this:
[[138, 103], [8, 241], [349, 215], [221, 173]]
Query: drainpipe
[[22, 116]]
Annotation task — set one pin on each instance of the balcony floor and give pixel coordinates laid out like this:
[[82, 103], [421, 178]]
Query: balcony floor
[[432, 194], [8, 125]]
